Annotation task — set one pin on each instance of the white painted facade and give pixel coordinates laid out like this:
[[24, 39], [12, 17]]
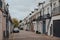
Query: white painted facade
[[38, 25], [56, 2], [40, 28], [35, 26], [21, 25], [47, 9]]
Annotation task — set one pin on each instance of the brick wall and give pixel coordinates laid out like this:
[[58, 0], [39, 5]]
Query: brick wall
[[1, 33]]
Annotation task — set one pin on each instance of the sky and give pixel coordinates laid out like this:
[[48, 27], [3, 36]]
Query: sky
[[21, 8]]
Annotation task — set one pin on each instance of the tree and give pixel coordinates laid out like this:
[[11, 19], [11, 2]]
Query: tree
[[15, 22]]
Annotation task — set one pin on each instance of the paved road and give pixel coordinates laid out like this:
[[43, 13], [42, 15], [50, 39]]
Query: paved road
[[26, 35]]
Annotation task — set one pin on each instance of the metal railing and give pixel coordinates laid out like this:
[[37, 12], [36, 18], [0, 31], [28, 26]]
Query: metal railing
[[56, 11], [46, 16]]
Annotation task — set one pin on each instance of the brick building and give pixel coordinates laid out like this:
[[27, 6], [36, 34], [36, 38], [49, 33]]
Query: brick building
[[4, 20]]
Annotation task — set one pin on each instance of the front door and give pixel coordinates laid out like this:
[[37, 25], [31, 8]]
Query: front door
[[44, 26], [56, 28]]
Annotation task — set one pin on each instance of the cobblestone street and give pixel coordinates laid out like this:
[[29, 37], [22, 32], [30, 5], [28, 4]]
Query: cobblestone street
[[26, 35]]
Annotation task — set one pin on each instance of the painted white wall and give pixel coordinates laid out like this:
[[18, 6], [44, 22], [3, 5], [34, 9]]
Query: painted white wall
[[25, 27], [47, 21], [10, 27], [55, 17], [40, 26], [35, 26]]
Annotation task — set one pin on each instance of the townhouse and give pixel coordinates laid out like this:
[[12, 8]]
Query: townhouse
[[10, 25], [4, 20], [34, 20], [45, 16], [21, 25], [54, 27], [45, 19], [27, 23], [49, 18]]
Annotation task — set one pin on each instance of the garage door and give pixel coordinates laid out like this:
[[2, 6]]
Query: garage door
[[56, 28]]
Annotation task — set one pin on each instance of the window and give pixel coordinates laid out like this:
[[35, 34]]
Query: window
[[0, 4], [54, 5], [41, 12], [59, 0], [48, 10], [44, 10]]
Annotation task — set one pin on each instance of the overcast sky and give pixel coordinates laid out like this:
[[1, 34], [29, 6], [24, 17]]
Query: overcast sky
[[21, 8]]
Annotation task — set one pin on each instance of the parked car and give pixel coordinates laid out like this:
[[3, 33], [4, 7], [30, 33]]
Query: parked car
[[21, 28], [15, 30]]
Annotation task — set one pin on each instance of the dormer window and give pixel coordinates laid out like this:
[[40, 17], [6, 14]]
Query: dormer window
[[36, 9], [32, 11], [38, 4]]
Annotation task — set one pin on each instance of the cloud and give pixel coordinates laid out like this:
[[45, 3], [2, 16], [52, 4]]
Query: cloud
[[21, 8]]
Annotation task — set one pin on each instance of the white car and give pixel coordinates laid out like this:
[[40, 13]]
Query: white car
[[16, 30]]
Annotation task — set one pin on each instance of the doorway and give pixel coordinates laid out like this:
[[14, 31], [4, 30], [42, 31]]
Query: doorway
[[44, 26], [56, 28]]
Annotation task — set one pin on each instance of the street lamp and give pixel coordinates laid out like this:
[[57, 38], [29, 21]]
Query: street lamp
[[7, 5]]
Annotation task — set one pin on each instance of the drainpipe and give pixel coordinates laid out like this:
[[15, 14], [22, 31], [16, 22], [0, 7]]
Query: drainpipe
[[51, 15], [7, 25], [37, 28]]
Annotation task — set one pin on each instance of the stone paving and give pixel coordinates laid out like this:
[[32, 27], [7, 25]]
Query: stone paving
[[27, 35]]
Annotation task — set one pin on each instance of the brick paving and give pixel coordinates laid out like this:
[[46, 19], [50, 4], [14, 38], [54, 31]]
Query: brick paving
[[27, 35]]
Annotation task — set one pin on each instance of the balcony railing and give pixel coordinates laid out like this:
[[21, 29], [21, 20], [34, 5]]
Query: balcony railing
[[56, 11], [46, 16]]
